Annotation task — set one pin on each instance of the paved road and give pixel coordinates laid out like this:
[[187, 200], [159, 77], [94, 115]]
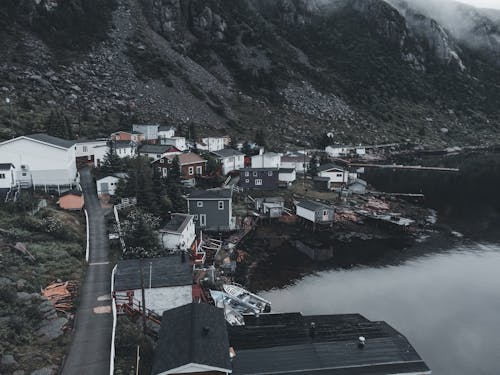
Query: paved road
[[90, 349]]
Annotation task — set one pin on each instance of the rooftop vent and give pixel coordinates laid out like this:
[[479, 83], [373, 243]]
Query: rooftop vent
[[206, 330]]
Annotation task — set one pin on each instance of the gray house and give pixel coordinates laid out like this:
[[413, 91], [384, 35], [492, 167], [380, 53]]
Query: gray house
[[315, 212], [212, 209], [259, 178], [357, 186]]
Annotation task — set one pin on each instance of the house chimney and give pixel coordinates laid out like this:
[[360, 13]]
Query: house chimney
[[312, 330], [361, 342]]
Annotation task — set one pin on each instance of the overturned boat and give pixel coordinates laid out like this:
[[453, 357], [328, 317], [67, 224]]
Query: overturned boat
[[260, 304], [233, 310]]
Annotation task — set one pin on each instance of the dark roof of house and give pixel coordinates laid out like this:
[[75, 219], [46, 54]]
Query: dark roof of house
[[258, 169], [322, 179], [59, 142], [166, 127], [154, 125], [295, 158], [128, 132], [227, 152], [211, 194], [154, 149], [90, 140], [124, 144], [313, 206], [166, 271], [4, 166], [288, 343], [287, 170], [193, 333], [326, 167], [178, 223]]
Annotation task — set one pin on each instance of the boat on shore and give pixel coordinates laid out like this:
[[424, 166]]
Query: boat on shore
[[260, 304], [233, 310]]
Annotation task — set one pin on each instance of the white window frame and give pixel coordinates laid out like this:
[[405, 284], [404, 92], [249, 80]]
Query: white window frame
[[199, 204], [220, 205], [199, 169], [340, 174], [2, 176], [162, 161], [247, 180], [258, 182], [325, 212], [191, 171], [247, 174], [255, 174], [85, 148], [269, 173]]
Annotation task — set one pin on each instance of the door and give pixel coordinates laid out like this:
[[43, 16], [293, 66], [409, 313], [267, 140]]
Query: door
[[325, 215], [203, 220], [104, 188]]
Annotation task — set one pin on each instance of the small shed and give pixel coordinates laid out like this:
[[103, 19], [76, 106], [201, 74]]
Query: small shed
[[107, 185], [271, 206], [315, 212], [357, 186], [322, 183], [287, 175], [71, 200], [179, 233]]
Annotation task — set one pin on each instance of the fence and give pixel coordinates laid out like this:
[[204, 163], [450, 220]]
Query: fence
[[113, 333]]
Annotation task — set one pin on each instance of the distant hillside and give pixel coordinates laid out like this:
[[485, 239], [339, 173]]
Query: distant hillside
[[367, 70]]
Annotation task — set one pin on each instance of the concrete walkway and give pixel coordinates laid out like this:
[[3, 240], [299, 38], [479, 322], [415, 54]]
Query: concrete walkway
[[89, 353]]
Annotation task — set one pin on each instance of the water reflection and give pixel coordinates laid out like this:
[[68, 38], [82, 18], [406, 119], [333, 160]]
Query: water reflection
[[446, 303]]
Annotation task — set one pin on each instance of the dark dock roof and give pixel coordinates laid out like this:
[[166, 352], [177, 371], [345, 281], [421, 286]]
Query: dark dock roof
[[165, 272], [192, 334], [55, 141], [323, 344], [211, 194]]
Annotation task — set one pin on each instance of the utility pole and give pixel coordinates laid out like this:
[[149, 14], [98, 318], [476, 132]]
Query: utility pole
[[9, 104], [304, 165], [144, 325]]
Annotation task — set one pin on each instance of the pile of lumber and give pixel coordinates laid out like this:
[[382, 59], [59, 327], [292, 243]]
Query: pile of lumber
[[376, 204], [61, 294]]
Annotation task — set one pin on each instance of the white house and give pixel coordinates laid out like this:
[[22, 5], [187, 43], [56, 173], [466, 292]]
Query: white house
[[296, 161], [150, 131], [338, 150], [266, 160], [166, 131], [288, 175], [315, 212], [211, 144], [177, 142], [125, 149], [230, 160], [41, 160], [91, 151], [107, 185], [8, 176], [179, 233], [337, 175], [168, 283]]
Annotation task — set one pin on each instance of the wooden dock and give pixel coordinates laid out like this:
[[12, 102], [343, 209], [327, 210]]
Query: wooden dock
[[405, 167]]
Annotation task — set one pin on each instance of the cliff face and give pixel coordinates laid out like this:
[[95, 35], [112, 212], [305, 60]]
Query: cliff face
[[366, 70]]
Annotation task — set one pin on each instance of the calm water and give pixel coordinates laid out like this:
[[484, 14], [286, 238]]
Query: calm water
[[443, 294], [447, 304]]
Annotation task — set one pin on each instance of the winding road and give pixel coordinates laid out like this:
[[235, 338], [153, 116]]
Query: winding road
[[89, 353]]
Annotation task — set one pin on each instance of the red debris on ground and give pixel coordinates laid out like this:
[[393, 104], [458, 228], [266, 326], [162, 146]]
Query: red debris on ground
[[61, 294]]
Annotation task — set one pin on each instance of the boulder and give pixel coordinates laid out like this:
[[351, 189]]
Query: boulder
[[52, 329], [8, 360]]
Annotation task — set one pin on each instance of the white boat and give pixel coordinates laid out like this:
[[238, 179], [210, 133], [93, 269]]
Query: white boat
[[260, 304], [232, 311]]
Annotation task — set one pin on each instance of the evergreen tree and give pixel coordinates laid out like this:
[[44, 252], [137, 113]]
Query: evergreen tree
[[323, 141], [174, 174], [313, 166], [212, 165], [111, 162], [246, 149], [193, 135]]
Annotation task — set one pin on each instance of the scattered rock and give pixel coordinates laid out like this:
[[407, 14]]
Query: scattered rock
[[8, 360], [50, 370], [52, 329], [5, 281]]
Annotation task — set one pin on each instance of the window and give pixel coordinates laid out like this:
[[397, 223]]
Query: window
[[85, 149], [270, 173], [255, 174], [2, 176], [24, 174], [247, 180], [191, 171], [258, 181], [162, 161], [221, 205], [247, 174], [195, 217], [339, 174], [325, 213], [199, 169], [199, 204]]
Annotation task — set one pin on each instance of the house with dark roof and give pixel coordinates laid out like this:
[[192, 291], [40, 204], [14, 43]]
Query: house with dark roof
[[150, 131], [165, 131], [287, 176], [212, 209], [193, 339], [347, 344], [300, 162], [337, 174], [42, 161], [191, 165], [315, 212], [321, 183], [125, 149], [230, 159], [357, 186], [167, 281], [259, 178], [91, 151], [179, 233], [156, 152]]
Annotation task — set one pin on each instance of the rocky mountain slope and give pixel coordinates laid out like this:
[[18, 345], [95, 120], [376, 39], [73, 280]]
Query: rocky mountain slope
[[367, 70]]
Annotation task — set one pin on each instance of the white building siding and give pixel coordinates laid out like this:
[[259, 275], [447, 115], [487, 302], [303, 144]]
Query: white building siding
[[107, 185], [179, 241], [288, 177], [233, 163], [335, 176], [306, 214], [48, 165], [161, 299], [8, 178]]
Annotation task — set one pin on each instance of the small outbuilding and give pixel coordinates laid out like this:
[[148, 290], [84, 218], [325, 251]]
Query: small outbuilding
[[357, 186], [287, 175], [322, 183], [106, 186], [179, 233], [271, 206], [315, 212]]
